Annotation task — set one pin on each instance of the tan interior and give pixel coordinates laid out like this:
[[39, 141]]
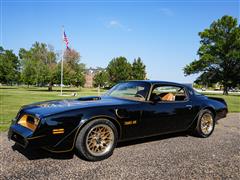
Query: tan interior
[[168, 97]]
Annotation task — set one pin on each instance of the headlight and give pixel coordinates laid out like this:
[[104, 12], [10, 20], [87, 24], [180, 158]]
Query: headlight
[[29, 122]]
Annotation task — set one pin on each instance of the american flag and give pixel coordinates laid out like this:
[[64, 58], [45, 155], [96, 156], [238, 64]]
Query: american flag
[[65, 39]]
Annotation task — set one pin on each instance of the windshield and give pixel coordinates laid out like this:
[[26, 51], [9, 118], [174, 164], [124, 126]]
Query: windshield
[[130, 90]]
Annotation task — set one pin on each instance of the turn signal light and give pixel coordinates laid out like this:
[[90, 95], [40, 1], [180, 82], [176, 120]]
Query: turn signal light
[[58, 131]]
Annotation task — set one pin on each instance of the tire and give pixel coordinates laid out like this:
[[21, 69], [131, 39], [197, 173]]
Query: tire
[[205, 124], [97, 140]]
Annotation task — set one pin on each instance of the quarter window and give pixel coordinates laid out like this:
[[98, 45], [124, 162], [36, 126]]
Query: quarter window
[[168, 93]]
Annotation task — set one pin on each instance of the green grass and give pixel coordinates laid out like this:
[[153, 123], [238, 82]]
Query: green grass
[[12, 98], [233, 101]]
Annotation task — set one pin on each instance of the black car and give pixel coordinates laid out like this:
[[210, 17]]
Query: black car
[[130, 110]]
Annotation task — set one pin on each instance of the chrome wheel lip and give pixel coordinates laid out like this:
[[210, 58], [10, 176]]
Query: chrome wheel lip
[[207, 124], [96, 136]]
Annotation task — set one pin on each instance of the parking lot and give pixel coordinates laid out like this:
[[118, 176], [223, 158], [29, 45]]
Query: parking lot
[[177, 156]]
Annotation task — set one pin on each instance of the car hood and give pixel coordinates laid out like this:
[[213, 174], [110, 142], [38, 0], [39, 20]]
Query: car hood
[[47, 108]]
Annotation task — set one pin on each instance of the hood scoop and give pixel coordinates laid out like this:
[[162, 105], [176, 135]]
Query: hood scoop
[[89, 98]]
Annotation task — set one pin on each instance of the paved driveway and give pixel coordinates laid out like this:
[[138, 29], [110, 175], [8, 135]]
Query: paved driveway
[[165, 157]]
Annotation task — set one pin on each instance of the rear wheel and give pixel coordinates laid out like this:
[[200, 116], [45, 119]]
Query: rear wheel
[[205, 124], [97, 140]]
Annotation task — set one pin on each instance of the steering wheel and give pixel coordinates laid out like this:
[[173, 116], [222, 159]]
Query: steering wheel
[[139, 95]]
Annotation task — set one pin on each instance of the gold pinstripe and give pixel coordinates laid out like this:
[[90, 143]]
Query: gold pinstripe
[[35, 137]]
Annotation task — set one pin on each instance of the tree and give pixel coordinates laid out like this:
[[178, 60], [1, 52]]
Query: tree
[[51, 67], [28, 72], [207, 79], [119, 69], [101, 79], [9, 67], [38, 65], [73, 70], [219, 53], [138, 70]]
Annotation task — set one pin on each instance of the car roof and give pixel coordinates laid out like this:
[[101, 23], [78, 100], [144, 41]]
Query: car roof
[[160, 82]]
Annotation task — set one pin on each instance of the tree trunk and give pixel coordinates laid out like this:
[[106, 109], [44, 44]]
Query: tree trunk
[[50, 87], [225, 90]]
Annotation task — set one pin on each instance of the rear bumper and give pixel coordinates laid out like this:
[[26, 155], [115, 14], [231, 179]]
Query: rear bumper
[[24, 136], [221, 114]]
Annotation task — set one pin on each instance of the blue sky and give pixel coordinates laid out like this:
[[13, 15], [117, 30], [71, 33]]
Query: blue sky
[[163, 33]]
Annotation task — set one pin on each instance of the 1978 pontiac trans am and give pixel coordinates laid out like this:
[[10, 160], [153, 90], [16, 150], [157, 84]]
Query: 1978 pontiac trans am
[[130, 110]]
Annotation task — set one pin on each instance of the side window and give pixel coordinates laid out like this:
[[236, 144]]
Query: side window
[[168, 93]]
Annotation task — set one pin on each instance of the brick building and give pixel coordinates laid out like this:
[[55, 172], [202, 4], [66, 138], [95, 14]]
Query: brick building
[[89, 75]]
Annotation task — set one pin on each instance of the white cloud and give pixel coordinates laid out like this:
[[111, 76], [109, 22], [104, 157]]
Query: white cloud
[[129, 29], [167, 12], [118, 25], [114, 23]]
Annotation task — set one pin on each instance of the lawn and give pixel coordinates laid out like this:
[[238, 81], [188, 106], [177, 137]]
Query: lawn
[[12, 98], [233, 101]]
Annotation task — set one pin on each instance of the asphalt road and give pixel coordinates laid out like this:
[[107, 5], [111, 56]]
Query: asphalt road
[[165, 157]]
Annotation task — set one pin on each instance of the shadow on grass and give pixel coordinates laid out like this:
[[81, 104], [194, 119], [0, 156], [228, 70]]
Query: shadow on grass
[[8, 88], [46, 90], [34, 154]]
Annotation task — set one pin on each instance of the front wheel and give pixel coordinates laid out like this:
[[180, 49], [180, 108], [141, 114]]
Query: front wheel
[[97, 140], [205, 124]]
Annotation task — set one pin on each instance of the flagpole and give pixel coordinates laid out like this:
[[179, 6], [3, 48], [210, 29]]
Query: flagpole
[[62, 61]]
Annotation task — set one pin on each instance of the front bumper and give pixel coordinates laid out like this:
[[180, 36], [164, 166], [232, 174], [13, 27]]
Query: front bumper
[[24, 137]]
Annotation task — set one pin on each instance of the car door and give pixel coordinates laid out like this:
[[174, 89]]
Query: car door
[[167, 115]]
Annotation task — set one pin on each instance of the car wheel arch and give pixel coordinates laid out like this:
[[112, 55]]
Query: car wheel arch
[[113, 120], [210, 109], [194, 122]]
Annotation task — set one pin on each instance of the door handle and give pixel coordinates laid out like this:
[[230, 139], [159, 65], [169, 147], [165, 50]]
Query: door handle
[[189, 106]]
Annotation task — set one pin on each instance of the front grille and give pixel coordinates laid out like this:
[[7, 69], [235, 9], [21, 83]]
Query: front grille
[[19, 139]]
